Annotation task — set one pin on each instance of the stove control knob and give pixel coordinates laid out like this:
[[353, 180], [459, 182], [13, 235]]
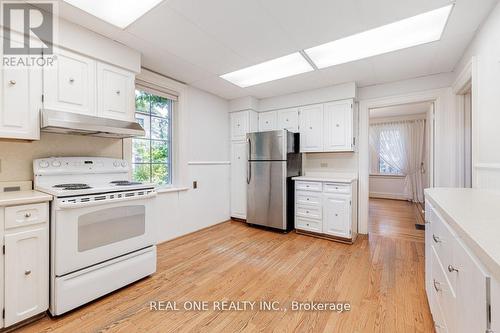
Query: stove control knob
[[56, 164], [116, 163], [124, 164], [43, 164]]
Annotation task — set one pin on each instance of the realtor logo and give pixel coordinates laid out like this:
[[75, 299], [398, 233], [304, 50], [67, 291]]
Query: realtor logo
[[29, 28]]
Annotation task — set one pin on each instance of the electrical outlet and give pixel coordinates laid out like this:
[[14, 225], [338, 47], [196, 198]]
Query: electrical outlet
[[324, 165], [195, 184]]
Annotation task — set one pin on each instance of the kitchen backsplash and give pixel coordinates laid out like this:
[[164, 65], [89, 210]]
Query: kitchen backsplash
[[331, 162], [16, 157]]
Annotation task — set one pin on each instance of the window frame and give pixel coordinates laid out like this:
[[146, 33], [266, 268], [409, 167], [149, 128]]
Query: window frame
[[150, 140], [379, 162]]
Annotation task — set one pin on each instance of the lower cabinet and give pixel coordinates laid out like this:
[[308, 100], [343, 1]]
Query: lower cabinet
[[327, 209], [25, 263], [458, 286]]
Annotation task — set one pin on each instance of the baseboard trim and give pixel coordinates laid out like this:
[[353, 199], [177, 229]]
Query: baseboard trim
[[393, 196]]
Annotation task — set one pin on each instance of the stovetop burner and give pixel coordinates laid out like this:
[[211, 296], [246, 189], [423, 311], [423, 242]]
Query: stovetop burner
[[125, 183], [73, 186]]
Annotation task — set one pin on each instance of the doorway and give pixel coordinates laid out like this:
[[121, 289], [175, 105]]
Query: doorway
[[400, 168]]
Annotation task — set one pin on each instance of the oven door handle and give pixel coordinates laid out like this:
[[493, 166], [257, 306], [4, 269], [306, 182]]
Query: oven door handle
[[60, 204]]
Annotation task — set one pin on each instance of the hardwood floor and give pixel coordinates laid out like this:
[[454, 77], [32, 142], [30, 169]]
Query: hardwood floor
[[381, 276]]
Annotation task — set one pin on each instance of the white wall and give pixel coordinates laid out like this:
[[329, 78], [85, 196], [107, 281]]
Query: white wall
[[485, 48], [201, 153], [388, 187]]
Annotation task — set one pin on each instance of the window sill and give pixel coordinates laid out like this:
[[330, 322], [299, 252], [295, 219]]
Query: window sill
[[381, 175], [171, 189]]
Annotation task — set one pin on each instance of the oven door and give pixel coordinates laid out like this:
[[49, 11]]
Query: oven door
[[89, 230]]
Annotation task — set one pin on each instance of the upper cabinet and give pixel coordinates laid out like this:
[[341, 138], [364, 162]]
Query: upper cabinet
[[20, 102], [115, 92], [83, 85], [243, 122], [288, 119], [311, 128], [327, 127], [267, 121], [70, 84]]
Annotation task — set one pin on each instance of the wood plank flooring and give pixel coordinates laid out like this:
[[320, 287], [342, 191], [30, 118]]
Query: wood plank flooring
[[381, 276]]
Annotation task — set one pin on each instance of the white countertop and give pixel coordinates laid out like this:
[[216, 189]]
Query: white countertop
[[22, 197], [474, 215], [328, 177]]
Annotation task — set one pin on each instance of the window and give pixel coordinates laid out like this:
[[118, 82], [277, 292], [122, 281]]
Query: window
[[389, 139], [152, 153]]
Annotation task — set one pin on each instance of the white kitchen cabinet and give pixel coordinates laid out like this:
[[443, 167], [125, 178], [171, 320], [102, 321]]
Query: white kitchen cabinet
[[328, 127], [239, 179], [24, 266], [115, 92], [288, 119], [311, 128], [337, 219], [20, 102], [338, 126], [460, 290], [268, 121], [26, 274], [70, 84], [326, 208], [243, 122]]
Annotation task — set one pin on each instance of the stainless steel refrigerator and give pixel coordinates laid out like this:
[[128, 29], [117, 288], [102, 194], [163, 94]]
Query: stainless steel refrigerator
[[273, 159]]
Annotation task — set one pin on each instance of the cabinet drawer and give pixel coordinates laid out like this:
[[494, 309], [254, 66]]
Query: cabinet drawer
[[443, 295], [308, 225], [19, 216], [308, 198], [308, 186], [444, 242], [312, 212], [337, 188]]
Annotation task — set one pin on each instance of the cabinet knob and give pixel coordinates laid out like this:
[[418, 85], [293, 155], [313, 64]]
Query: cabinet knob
[[307, 199], [118, 92], [286, 119], [12, 82], [27, 272], [337, 125], [310, 127], [71, 80], [336, 214], [452, 269], [27, 215], [307, 211]]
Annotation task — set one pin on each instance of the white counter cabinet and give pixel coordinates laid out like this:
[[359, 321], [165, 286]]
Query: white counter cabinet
[[326, 207], [461, 260], [24, 266]]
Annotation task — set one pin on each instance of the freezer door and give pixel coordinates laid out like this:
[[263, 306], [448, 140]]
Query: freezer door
[[266, 194], [267, 146]]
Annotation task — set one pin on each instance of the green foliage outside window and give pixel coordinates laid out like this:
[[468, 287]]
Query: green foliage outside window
[[151, 153]]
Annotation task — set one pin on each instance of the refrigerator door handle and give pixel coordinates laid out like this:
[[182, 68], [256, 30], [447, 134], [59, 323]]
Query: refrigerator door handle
[[249, 168]]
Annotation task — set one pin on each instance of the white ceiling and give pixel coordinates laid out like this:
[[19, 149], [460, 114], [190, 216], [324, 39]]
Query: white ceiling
[[400, 110], [195, 41]]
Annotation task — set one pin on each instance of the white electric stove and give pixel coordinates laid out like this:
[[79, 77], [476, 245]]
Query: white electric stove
[[101, 227]]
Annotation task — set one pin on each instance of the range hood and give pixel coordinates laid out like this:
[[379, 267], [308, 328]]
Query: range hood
[[54, 121]]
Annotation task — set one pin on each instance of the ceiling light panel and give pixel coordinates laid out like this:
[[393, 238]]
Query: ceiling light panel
[[120, 13], [271, 70], [420, 29]]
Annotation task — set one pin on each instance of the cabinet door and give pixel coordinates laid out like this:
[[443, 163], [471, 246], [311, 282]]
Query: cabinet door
[[70, 85], [311, 128], [26, 274], [337, 216], [338, 126], [239, 125], [115, 92], [239, 180], [289, 119], [20, 102], [267, 121]]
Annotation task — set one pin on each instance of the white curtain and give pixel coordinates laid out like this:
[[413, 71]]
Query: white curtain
[[400, 144]]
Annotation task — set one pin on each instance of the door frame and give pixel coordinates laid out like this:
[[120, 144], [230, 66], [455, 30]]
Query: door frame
[[436, 96]]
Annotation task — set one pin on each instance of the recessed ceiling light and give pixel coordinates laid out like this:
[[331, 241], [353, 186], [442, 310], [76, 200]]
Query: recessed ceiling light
[[275, 69], [120, 13], [416, 30]]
